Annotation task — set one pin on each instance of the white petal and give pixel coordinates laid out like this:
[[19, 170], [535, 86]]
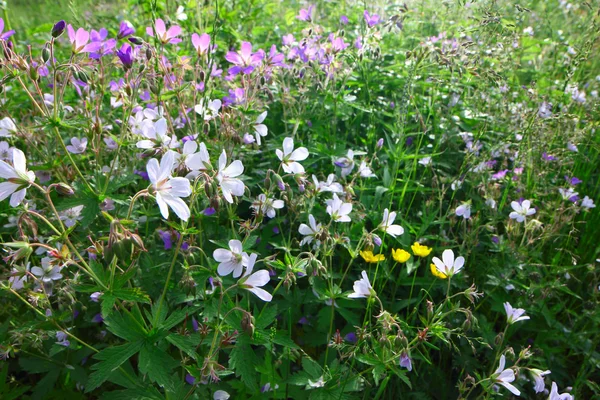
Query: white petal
[[222, 161], [395, 230], [180, 187], [234, 169], [177, 205], [153, 170], [288, 146], [142, 144], [234, 186], [448, 257], [299, 154], [235, 246], [222, 255], [7, 189], [162, 205], [227, 267], [258, 279], [7, 171], [261, 294], [17, 197], [19, 161]]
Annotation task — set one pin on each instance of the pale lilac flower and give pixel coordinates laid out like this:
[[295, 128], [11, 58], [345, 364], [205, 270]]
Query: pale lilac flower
[[168, 190], [62, 339], [504, 377], [232, 260], [572, 147], [306, 14], [371, 20], [405, 361], [491, 203], [7, 34], [18, 277], [365, 171], [48, 272], [79, 41], [19, 179], [346, 163], [260, 129], [289, 157], [545, 110], [554, 395], [362, 288], [569, 194], [425, 161], [157, 135], [95, 297], [521, 211], [77, 146], [310, 231], [226, 177], [71, 215], [338, 210], [448, 265], [387, 224], [538, 378], [245, 61], [7, 126], [514, 314], [329, 185], [587, 203], [6, 152], [221, 395], [464, 210], [125, 29], [201, 43], [267, 206], [164, 35]]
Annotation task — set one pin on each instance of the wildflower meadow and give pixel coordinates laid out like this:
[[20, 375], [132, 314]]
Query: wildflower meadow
[[284, 199]]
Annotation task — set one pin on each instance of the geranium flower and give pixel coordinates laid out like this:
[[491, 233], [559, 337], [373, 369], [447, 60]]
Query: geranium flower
[[260, 129], [77, 145], [199, 161], [226, 176], [400, 255], [245, 61], [71, 215], [449, 266], [289, 157], [6, 152], [266, 205], [19, 179], [48, 272], [538, 378], [254, 281], [514, 314], [503, 377], [569, 194], [464, 210], [164, 35], [405, 361], [309, 232], [365, 171], [369, 257], [306, 14], [329, 185], [346, 163], [387, 226], [362, 288], [7, 34], [7, 126], [521, 211], [18, 277], [201, 43], [339, 210], [157, 135], [420, 250], [125, 54], [371, 20], [125, 29], [79, 41], [232, 260], [587, 203], [168, 190], [555, 396], [210, 111]]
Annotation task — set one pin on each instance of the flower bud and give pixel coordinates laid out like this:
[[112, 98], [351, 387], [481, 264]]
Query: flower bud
[[33, 73], [136, 40], [279, 181], [58, 28], [380, 143], [46, 53], [64, 189], [148, 54]]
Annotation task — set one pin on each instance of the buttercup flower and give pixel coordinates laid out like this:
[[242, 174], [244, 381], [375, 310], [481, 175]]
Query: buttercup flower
[[521, 211], [232, 260], [168, 190], [369, 257], [538, 378], [504, 377], [420, 250], [338, 209], [400, 255], [514, 314], [387, 224], [226, 176], [448, 266], [362, 288], [289, 157], [18, 178], [309, 232], [436, 272]]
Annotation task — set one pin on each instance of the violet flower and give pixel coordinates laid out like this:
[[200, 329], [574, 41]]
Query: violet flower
[[125, 54], [164, 35], [245, 61], [306, 14], [201, 43], [79, 41], [371, 20], [7, 34], [58, 28], [125, 29]]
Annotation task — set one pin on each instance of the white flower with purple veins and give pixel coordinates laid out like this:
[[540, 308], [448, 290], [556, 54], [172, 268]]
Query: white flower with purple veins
[[226, 176], [504, 377], [346, 163], [464, 210], [338, 210], [19, 179], [110, 143], [365, 171], [330, 185], [48, 272], [232, 260], [197, 161], [156, 134], [5, 152], [168, 190], [260, 129], [387, 224], [71, 215], [7, 127], [521, 211], [587, 203], [18, 277], [514, 314], [362, 288], [448, 265], [554, 395], [254, 281], [538, 379], [77, 146], [266, 205], [210, 110], [136, 122], [310, 231], [289, 157]]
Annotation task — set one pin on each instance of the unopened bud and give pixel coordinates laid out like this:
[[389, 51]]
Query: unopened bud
[[136, 40], [58, 28], [46, 53], [279, 181], [64, 189]]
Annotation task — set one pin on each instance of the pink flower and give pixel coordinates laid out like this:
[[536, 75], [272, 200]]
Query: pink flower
[[164, 35], [201, 43], [79, 41], [245, 60]]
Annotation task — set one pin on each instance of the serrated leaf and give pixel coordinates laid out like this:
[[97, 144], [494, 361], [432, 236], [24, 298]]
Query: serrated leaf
[[187, 344], [132, 294], [107, 304], [133, 394], [242, 360], [157, 364], [110, 359], [125, 327]]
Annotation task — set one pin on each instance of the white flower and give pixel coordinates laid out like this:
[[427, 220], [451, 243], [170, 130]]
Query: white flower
[[538, 377], [255, 281], [309, 232], [77, 146], [387, 224], [260, 129], [346, 163], [71, 215], [199, 161], [464, 210], [425, 161], [449, 266], [115, 102], [168, 190], [504, 376], [365, 171], [555, 396], [587, 203], [180, 14], [19, 179], [521, 210], [154, 114], [156, 134], [227, 177], [289, 157], [316, 384], [362, 287], [136, 122], [491, 203], [567, 194], [7, 127], [221, 395], [338, 209], [6, 152], [209, 112], [329, 185], [18, 277], [232, 260], [572, 147], [47, 272], [514, 314], [266, 205]]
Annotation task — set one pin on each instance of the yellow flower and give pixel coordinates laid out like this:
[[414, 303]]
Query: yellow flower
[[436, 272], [419, 250], [370, 257], [400, 255]]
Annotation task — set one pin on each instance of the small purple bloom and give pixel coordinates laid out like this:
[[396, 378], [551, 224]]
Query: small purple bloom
[[236, 97], [125, 29], [58, 28], [409, 141], [62, 339], [548, 157], [164, 35], [276, 230], [573, 181], [95, 296], [405, 361], [380, 143], [306, 14], [351, 337], [166, 238], [209, 211], [190, 380], [303, 321], [98, 319], [195, 326], [495, 239], [125, 54], [500, 174], [143, 174], [371, 20], [343, 20]]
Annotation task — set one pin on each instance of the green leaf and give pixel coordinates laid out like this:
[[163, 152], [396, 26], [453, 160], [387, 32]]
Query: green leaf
[[110, 359], [187, 344], [132, 294], [46, 384], [125, 327], [242, 360], [157, 364], [108, 302]]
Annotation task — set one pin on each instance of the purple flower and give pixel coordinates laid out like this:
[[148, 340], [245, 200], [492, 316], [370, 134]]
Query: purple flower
[[288, 40], [548, 157], [62, 339], [164, 35], [500, 174], [276, 230], [380, 143], [209, 211], [351, 337], [343, 20], [195, 326], [495, 239], [573, 181], [245, 61], [337, 44], [371, 20], [405, 361], [306, 14], [236, 96], [166, 237], [125, 54], [79, 41], [143, 174], [190, 379], [303, 321], [95, 296], [98, 319], [7, 34], [201, 43], [125, 29]]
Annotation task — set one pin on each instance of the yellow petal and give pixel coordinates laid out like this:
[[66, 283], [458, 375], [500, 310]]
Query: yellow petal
[[437, 273]]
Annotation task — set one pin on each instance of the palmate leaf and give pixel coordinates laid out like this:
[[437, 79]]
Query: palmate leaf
[[125, 327], [187, 344], [242, 360], [110, 359], [157, 364]]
